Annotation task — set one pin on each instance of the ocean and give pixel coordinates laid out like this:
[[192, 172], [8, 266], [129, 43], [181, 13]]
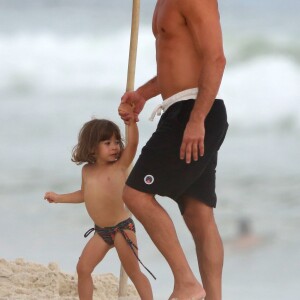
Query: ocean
[[64, 61]]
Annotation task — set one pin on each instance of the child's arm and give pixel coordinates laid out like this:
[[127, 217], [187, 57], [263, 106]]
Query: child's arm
[[132, 136], [75, 197]]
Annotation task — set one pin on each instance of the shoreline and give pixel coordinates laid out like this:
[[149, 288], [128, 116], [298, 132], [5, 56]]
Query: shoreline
[[20, 279]]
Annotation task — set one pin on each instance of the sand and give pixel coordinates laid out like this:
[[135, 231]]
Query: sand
[[27, 280]]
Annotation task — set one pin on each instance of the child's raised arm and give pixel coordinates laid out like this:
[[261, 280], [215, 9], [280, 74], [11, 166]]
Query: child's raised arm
[[132, 136], [75, 197]]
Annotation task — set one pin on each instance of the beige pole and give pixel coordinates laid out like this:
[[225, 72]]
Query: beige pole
[[130, 87]]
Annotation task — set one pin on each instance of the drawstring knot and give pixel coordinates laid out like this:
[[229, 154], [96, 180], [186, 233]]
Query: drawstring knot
[[157, 111], [181, 96]]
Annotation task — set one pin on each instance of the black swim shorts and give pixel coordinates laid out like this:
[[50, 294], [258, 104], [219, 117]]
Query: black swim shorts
[[159, 169]]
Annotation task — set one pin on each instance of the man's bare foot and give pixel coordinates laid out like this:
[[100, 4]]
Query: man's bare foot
[[188, 299], [192, 292]]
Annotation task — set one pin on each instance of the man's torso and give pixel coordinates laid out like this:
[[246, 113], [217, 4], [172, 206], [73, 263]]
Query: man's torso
[[178, 62]]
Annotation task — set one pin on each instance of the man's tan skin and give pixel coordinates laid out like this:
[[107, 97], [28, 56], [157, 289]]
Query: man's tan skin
[[189, 54]]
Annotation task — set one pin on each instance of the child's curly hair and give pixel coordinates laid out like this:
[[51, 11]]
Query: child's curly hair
[[90, 135]]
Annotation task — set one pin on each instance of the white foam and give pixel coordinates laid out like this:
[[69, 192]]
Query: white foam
[[263, 93]]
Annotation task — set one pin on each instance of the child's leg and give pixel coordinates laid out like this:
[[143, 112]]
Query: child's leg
[[131, 265], [92, 254]]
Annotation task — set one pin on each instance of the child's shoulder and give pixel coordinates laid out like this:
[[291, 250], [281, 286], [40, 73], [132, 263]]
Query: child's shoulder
[[87, 167]]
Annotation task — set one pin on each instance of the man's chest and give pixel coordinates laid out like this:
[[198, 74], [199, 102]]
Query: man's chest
[[166, 18]]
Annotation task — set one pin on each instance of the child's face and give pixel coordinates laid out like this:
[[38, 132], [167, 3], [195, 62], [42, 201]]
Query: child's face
[[108, 150]]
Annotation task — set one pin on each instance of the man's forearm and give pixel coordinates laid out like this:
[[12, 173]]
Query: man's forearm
[[150, 89]]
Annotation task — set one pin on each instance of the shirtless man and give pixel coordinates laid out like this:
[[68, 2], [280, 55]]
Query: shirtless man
[[179, 160]]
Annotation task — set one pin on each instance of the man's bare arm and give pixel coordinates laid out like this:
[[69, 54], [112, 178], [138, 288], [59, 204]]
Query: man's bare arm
[[150, 89], [203, 21], [139, 97]]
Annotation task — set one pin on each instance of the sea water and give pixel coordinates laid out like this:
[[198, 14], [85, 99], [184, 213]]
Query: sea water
[[63, 62]]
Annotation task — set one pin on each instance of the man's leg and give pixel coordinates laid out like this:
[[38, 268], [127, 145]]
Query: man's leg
[[162, 232], [200, 220]]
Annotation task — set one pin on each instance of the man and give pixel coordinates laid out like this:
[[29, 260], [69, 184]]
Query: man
[[180, 158]]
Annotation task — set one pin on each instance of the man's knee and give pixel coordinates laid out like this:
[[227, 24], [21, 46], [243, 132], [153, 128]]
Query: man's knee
[[197, 216]]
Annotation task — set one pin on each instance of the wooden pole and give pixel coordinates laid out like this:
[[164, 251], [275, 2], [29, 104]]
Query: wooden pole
[[133, 45], [130, 87]]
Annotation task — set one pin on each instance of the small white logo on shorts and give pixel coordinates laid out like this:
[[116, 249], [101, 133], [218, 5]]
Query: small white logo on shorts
[[148, 179]]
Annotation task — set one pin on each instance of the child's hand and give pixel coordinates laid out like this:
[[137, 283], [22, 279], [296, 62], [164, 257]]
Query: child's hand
[[51, 197], [126, 112]]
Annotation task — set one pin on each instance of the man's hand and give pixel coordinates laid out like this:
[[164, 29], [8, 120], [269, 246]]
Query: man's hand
[[135, 100], [193, 141]]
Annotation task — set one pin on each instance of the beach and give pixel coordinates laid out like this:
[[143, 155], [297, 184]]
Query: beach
[[23, 280]]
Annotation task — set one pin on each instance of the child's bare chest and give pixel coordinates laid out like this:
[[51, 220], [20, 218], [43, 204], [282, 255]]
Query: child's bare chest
[[108, 180]]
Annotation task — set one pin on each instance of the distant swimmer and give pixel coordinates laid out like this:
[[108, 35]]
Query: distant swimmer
[[245, 238]]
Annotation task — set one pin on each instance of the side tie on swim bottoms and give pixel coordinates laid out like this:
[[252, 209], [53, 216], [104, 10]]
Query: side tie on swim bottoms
[[108, 235]]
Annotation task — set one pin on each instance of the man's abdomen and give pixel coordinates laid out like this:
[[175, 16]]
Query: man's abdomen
[[178, 68]]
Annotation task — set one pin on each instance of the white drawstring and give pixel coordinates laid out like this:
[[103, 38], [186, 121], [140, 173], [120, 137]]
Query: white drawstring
[[181, 96], [157, 111]]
